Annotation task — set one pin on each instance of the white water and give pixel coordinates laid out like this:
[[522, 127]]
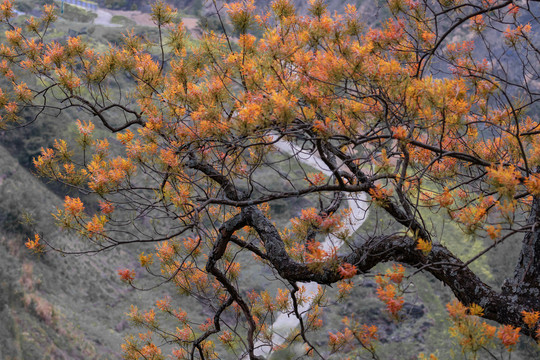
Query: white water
[[286, 323]]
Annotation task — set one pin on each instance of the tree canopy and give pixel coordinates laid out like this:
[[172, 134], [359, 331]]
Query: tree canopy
[[431, 111]]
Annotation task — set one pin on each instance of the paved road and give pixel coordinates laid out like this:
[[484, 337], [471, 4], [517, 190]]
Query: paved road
[[104, 18], [285, 323]]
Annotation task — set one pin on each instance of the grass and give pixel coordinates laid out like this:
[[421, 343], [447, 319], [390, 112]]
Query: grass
[[76, 14], [122, 20]]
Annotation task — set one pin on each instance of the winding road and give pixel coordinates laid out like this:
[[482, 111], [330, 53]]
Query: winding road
[[287, 322], [104, 17]]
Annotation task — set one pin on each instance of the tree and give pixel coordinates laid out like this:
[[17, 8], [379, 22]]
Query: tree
[[422, 114]]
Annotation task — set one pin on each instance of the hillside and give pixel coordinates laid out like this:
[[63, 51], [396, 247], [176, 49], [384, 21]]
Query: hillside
[[201, 7], [52, 306]]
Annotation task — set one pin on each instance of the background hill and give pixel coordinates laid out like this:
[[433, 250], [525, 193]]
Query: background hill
[[199, 6]]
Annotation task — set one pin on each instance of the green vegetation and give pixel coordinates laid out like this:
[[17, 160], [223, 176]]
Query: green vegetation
[[115, 4], [122, 20]]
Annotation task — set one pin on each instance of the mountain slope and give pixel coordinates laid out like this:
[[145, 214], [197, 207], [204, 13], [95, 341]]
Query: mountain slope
[[53, 306]]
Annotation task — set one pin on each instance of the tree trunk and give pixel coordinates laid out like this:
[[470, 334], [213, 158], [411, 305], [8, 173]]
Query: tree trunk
[[526, 283]]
